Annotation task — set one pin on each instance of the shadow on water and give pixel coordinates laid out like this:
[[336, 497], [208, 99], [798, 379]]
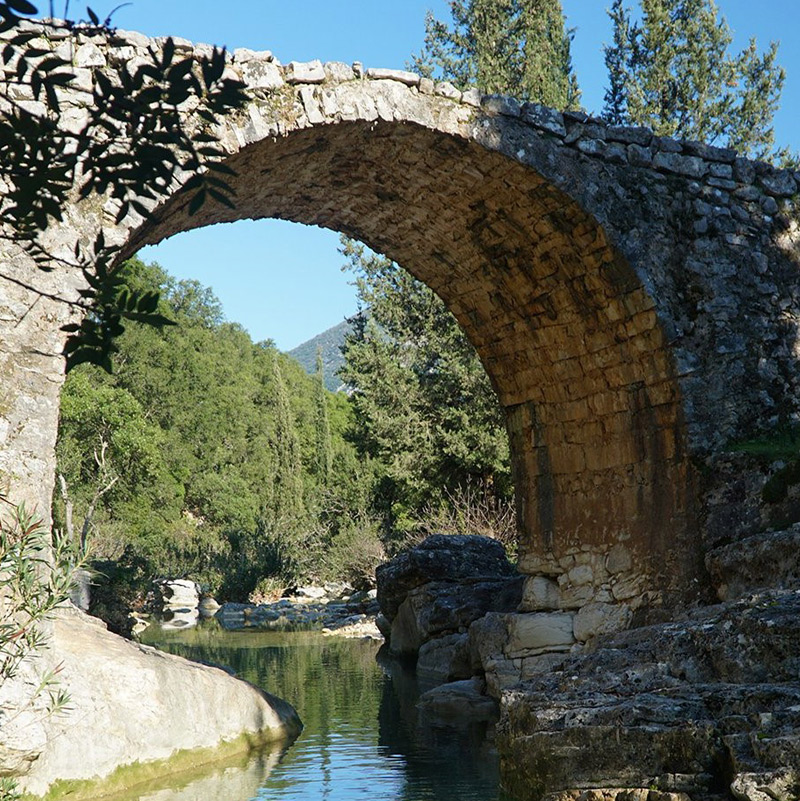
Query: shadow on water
[[363, 735]]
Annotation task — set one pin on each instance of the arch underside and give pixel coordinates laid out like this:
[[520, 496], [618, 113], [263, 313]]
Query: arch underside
[[566, 332]]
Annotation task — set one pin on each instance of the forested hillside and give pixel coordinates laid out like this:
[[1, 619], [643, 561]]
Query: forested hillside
[[209, 456], [206, 454]]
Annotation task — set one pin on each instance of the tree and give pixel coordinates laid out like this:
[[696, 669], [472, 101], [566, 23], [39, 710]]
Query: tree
[[672, 71], [322, 426], [513, 47], [425, 410]]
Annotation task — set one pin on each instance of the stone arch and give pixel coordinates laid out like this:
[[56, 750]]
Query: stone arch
[[566, 331], [590, 265]]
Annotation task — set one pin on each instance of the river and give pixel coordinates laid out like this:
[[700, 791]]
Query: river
[[363, 736]]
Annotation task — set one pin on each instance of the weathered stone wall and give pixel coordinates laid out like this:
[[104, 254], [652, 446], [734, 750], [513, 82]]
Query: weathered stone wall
[[633, 299]]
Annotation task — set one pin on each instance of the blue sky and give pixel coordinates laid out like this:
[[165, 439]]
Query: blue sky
[[283, 281]]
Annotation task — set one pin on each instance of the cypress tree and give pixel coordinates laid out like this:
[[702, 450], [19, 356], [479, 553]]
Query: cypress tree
[[322, 428], [288, 495], [513, 47], [672, 72]]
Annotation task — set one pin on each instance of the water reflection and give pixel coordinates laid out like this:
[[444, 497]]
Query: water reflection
[[363, 736]]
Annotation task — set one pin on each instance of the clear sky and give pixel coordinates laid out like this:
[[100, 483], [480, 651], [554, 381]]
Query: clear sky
[[283, 281]]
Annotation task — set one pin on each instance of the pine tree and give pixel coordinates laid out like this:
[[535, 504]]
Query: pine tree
[[513, 47], [425, 409], [672, 72], [322, 427]]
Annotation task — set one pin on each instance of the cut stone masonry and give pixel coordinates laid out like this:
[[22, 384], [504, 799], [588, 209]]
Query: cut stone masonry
[[634, 299]]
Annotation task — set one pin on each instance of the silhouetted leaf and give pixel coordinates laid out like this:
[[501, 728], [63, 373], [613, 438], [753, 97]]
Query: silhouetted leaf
[[21, 6], [197, 202]]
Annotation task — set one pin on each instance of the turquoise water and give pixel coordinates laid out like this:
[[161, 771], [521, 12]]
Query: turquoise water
[[363, 736]]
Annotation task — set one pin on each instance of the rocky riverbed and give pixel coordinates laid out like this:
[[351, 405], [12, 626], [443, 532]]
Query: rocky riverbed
[[334, 609], [704, 706]]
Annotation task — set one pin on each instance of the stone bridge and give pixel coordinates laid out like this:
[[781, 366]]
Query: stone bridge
[[633, 299]]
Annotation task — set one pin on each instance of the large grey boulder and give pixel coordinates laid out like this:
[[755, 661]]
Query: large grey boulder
[[442, 607], [441, 558], [128, 703]]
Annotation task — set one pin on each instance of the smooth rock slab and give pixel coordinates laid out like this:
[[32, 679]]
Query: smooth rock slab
[[130, 702]]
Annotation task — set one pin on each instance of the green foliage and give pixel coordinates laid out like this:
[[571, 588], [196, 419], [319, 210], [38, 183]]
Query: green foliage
[[36, 575], [671, 70], [513, 47], [425, 412], [204, 455], [322, 427], [782, 445]]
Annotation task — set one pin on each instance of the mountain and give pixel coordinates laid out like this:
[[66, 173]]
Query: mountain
[[331, 343]]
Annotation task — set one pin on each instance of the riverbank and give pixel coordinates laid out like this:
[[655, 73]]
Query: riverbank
[[124, 702], [335, 610]]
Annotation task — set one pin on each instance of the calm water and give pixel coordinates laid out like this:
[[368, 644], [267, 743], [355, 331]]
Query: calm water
[[363, 736]]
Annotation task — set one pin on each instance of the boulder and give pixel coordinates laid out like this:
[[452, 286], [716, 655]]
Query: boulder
[[440, 558], [439, 608], [445, 658], [176, 594], [128, 703], [459, 701]]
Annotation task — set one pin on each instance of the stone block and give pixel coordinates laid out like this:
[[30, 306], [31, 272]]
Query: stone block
[[261, 75], [595, 619], [472, 97], [305, 72], [242, 54], [618, 559], [779, 183], [500, 104], [539, 632], [311, 106], [445, 89], [89, 55], [539, 593], [547, 119], [692, 166], [402, 76], [723, 155], [630, 135], [339, 72]]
